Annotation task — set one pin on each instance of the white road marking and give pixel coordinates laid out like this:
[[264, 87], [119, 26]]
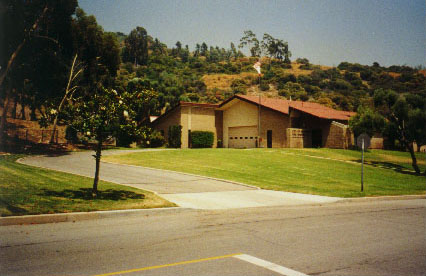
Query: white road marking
[[268, 265]]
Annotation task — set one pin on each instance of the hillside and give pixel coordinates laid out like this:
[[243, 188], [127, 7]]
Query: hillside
[[344, 87], [224, 82]]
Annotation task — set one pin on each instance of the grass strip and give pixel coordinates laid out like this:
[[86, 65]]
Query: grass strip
[[26, 190], [291, 170]]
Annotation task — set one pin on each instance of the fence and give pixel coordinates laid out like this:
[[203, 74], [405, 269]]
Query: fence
[[38, 136]]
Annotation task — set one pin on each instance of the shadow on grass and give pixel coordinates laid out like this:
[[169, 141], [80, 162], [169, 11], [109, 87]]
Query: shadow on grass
[[390, 166], [86, 194], [14, 210]]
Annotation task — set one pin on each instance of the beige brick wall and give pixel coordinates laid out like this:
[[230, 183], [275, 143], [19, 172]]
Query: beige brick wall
[[338, 136], [238, 115], [376, 142], [197, 118], [307, 121], [278, 123], [298, 138], [243, 114], [173, 118]]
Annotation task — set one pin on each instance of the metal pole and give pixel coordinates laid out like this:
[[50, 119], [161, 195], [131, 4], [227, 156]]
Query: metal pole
[[362, 166], [258, 126]]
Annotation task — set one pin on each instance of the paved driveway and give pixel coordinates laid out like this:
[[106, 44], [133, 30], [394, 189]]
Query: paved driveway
[[185, 190]]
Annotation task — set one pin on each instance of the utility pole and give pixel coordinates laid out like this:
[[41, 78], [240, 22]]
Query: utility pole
[[257, 67], [258, 128], [362, 166]]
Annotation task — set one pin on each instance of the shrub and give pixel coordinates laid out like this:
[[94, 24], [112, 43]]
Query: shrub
[[219, 144], [128, 66], [156, 139], [264, 86], [238, 83], [202, 139], [302, 60], [175, 135], [303, 79], [71, 135], [124, 139], [306, 67], [366, 75], [340, 84]]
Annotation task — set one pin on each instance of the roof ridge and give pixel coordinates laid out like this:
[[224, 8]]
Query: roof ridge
[[312, 108]]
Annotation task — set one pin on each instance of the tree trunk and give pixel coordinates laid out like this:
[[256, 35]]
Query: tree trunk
[[15, 106], [33, 116], [98, 163], [413, 157], [52, 136], [3, 121], [68, 90], [42, 113], [23, 117]]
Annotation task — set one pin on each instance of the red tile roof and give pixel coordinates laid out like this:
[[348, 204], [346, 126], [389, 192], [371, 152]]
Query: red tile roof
[[198, 104], [313, 109]]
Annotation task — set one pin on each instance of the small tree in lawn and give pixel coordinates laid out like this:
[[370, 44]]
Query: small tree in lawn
[[104, 114], [367, 121], [405, 118]]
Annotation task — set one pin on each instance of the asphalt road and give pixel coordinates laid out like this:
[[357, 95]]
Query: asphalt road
[[381, 237]]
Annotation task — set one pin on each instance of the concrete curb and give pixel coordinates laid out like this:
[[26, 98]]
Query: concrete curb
[[79, 216], [380, 198], [190, 174]]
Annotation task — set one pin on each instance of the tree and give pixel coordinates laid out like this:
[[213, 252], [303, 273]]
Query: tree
[[176, 52], [204, 49], [98, 51], [197, 50], [249, 39], [25, 21], [158, 48], [99, 55], [137, 46], [184, 54], [418, 117], [406, 118], [103, 115], [276, 48], [36, 45], [234, 52], [366, 121], [150, 105], [23, 28], [69, 90]]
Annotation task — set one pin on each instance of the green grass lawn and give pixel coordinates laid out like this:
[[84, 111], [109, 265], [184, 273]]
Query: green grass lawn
[[25, 190], [293, 170]]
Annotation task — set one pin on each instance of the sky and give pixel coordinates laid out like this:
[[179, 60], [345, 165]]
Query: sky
[[327, 32]]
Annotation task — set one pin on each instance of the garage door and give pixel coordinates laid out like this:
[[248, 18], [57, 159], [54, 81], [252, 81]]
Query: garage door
[[242, 137]]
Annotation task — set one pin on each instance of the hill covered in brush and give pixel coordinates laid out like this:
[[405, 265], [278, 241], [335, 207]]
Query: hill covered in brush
[[212, 74]]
